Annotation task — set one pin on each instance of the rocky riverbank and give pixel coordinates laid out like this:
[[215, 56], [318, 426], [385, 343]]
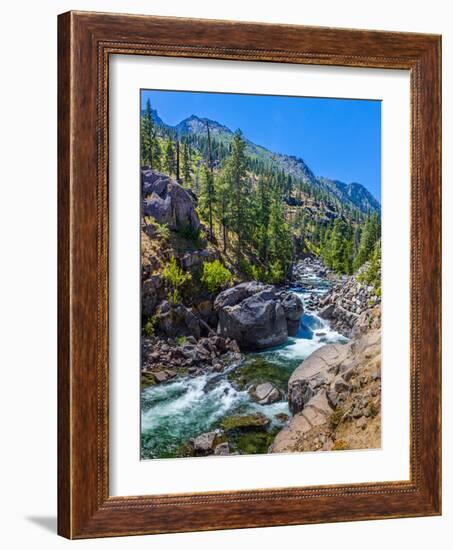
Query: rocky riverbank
[[335, 399], [345, 303]]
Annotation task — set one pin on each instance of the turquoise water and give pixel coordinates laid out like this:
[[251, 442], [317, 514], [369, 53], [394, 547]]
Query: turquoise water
[[174, 412]]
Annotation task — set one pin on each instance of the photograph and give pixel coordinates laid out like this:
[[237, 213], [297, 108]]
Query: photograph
[[260, 274]]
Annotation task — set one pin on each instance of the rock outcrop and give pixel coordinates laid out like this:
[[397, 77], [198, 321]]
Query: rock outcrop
[[334, 396], [168, 202], [162, 360], [256, 315], [346, 302]]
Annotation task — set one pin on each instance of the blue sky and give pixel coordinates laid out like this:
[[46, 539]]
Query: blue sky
[[337, 138]]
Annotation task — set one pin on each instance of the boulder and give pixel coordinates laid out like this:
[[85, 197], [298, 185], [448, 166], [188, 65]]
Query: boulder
[[327, 311], [177, 320], [193, 260], [294, 310], [204, 444], [265, 394], [222, 449], [318, 370], [168, 202], [253, 315], [152, 292], [245, 422]]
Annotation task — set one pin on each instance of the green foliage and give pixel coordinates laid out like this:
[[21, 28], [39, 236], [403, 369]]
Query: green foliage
[[149, 143], [176, 278], [207, 195], [150, 326], [372, 274], [337, 248], [251, 271], [180, 340], [186, 166], [335, 418], [162, 230], [235, 173], [275, 274], [169, 160], [188, 232], [371, 233], [215, 276]]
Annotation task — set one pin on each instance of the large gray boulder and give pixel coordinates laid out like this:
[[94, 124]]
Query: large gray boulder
[[168, 202], [294, 310], [253, 315], [177, 320]]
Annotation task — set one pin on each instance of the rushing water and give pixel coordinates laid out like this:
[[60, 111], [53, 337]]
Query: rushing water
[[174, 412]]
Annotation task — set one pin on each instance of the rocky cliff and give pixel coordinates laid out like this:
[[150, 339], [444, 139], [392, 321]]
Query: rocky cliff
[[334, 395]]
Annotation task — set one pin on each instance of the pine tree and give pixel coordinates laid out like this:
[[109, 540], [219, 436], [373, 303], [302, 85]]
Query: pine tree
[[222, 206], [235, 170], [263, 206], [207, 196], [371, 233], [169, 163], [185, 164], [149, 142], [280, 238]]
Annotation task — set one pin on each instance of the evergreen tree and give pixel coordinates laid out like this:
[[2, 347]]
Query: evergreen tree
[[371, 233], [149, 142], [235, 171], [222, 206], [185, 164], [280, 238], [169, 163], [207, 196]]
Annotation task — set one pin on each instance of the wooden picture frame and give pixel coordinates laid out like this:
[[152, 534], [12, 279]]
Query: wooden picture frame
[[85, 42]]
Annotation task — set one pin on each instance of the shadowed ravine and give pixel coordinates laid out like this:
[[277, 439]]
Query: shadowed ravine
[[176, 411]]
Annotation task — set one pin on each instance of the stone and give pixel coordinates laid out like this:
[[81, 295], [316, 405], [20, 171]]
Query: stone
[[193, 260], [253, 315], [320, 366], [222, 449], [327, 311], [282, 417], [244, 422], [177, 320], [265, 394], [160, 376], [340, 385], [152, 291], [204, 444], [168, 202], [294, 310]]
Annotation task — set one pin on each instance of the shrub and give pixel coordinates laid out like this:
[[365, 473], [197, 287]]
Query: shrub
[[162, 230], [215, 276], [275, 274], [180, 340], [372, 274], [373, 410], [251, 271], [335, 418], [176, 278], [340, 445], [150, 326]]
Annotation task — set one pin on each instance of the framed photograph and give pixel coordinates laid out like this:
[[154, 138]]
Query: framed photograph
[[249, 275]]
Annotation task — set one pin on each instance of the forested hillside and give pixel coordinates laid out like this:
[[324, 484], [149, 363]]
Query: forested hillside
[[262, 209]]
